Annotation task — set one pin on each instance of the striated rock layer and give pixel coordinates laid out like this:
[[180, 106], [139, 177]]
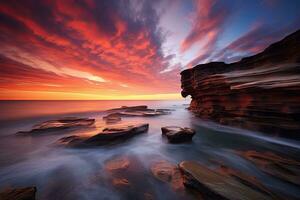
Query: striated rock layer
[[261, 92]]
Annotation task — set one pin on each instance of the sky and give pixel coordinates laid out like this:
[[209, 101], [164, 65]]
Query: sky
[[127, 49]]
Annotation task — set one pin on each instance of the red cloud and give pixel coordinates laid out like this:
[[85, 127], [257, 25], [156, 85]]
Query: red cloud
[[63, 46]]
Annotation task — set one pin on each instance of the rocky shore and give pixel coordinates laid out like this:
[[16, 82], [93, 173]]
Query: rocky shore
[[187, 179], [260, 92]]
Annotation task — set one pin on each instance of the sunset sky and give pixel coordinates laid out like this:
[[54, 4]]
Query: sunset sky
[[127, 49]]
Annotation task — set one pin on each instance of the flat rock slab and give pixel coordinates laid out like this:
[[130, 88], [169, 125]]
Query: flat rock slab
[[59, 124], [27, 193], [274, 165], [112, 118], [217, 185], [176, 134], [107, 136], [135, 111], [130, 108]]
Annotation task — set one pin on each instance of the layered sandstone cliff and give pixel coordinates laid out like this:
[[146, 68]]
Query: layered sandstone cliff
[[261, 92]]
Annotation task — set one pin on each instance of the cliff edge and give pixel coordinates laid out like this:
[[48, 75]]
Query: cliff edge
[[261, 92]]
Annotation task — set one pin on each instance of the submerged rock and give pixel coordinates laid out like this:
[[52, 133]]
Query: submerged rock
[[260, 92], [274, 165], [176, 134], [119, 163], [60, 124], [27, 193], [108, 135], [126, 173], [168, 172], [214, 184]]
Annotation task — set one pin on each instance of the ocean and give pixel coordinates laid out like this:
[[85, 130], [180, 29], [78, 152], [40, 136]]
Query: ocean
[[80, 173]]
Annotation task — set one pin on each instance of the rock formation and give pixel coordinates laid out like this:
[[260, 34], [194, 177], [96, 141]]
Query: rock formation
[[134, 111], [108, 135], [261, 92], [53, 126], [274, 165], [176, 134], [222, 183]]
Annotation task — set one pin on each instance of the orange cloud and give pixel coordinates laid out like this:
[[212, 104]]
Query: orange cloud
[[60, 47]]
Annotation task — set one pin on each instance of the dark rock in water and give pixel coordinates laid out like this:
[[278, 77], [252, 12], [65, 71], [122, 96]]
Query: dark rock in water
[[107, 136], [260, 92], [274, 165], [177, 134], [220, 185], [60, 124], [27, 193]]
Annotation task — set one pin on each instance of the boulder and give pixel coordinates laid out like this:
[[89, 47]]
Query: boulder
[[53, 126], [108, 135], [27, 193], [274, 165], [260, 92], [220, 185], [176, 134]]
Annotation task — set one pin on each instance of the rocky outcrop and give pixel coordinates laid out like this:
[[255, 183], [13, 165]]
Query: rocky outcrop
[[53, 126], [27, 193], [108, 135], [176, 134], [260, 92]]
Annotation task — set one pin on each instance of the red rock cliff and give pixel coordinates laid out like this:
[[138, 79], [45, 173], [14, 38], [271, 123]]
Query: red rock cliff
[[261, 92]]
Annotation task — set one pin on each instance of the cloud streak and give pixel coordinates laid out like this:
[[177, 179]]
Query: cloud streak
[[208, 25]]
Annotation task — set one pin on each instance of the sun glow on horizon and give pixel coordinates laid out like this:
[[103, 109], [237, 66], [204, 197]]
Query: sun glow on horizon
[[46, 95]]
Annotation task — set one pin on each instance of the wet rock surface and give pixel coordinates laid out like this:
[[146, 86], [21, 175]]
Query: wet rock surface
[[274, 165], [56, 125], [224, 184], [176, 134], [260, 92], [27, 193], [108, 135]]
